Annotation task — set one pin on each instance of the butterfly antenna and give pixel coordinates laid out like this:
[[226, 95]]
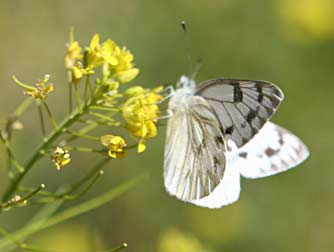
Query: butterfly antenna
[[187, 44], [198, 66]]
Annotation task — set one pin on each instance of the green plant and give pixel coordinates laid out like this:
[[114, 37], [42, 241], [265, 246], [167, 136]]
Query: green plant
[[96, 79]]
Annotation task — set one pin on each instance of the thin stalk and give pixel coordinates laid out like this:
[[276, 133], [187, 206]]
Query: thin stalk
[[23, 107], [29, 190], [84, 130], [84, 149], [86, 87], [70, 92], [104, 108], [77, 96], [52, 119], [82, 135], [101, 116], [41, 119], [23, 199], [10, 156], [66, 196], [89, 175]]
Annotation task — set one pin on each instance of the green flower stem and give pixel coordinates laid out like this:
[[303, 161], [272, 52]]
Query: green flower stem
[[43, 148], [29, 190], [23, 107], [23, 199], [52, 119], [84, 149], [77, 96], [87, 85], [70, 91], [10, 156], [105, 108], [93, 171], [26, 86], [82, 135], [101, 116], [100, 122], [84, 130], [75, 196], [43, 223], [41, 119], [14, 116]]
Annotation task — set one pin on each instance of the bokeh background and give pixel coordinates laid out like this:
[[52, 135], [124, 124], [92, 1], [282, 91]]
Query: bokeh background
[[286, 42]]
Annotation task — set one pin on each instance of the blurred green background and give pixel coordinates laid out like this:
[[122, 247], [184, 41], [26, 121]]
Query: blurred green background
[[286, 42]]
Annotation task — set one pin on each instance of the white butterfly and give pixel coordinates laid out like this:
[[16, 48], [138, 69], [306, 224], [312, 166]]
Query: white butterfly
[[219, 131]]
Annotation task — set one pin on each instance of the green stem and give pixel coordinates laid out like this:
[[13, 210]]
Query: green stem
[[41, 119], [42, 149], [77, 96], [82, 135], [101, 116], [52, 119], [70, 91], [23, 199], [24, 85], [23, 106], [93, 171], [86, 88]]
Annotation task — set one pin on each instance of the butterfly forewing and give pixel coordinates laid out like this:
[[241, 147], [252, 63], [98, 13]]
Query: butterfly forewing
[[242, 106], [194, 152]]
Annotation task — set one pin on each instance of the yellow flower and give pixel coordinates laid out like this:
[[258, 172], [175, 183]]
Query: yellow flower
[[78, 71], [141, 113], [60, 157], [98, 53], [41, 89], [124, 71], [73, 53], [115, 144]]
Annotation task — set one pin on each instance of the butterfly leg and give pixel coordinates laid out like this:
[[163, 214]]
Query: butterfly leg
[[167, 93], [168, 115]]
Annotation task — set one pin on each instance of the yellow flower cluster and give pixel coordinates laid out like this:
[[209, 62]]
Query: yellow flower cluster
[[117, 63], [141, 113], [60, 157], [115, 144], [40, 91]]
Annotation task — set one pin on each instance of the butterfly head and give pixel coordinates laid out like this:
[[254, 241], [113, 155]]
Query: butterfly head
[[185, 89], [186, 83]]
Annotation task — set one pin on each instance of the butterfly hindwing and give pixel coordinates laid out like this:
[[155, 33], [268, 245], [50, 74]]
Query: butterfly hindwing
[[242, 106], [273, 150], [194, 151]]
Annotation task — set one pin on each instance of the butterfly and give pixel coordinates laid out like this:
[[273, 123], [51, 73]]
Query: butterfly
[[220, 131]]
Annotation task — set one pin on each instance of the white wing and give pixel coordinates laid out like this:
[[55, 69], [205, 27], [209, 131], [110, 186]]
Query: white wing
[[273, 150], [194, 151], [228, 189]]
